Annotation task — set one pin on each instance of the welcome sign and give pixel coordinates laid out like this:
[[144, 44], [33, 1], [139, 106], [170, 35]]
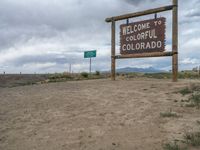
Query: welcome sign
[[143, 37]]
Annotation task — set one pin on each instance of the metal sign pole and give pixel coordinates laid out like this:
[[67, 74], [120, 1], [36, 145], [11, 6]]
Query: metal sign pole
[[70, 68], [90, 54], [90, 65], [113, 50]]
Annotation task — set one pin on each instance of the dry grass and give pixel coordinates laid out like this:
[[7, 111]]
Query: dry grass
[[173, 146], [193, 139], [168, 114]]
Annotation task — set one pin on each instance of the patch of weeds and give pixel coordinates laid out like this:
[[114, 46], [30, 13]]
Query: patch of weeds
[[190, 105], [173, 146], [187, 100], [185, 91], [193, 139], [195, 87], [198, 122], [97, 73], [190, 139], [195, 99], [168, 114], [158, 75], [84, 74], [59, 77]]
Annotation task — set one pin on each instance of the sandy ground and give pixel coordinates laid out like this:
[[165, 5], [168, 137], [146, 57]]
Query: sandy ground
[[94, 115]]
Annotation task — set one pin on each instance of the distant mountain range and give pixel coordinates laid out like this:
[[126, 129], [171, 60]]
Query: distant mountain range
[[142, 70]]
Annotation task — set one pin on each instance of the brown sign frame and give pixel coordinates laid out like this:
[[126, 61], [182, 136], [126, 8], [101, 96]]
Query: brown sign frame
[[173, 53]]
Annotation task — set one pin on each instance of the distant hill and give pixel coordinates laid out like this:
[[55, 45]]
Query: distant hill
[[142, 70]]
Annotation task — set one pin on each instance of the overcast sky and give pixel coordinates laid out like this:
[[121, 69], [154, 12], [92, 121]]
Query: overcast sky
[[47, 35]]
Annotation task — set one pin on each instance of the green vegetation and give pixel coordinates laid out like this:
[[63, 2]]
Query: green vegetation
[[84, 74], [172, 146], [185, 91], [188, 75], [59, 77], [97, 73], [195, 87], [158, 75], [168, 114], [190, 105], [163, 75], [190, 140], [195, 100], [193, 139], [198, 122], [30, 79]]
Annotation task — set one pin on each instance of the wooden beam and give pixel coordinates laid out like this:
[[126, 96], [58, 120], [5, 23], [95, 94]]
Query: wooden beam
[[113, 51], [142, 13], [142, 55], [175, 40]]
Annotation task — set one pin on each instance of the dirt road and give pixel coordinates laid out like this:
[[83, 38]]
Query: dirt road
[[93, 115]]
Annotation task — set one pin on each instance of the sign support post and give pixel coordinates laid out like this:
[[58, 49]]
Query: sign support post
[[175, 40], [90, 54], [113, 51], [90, 66]]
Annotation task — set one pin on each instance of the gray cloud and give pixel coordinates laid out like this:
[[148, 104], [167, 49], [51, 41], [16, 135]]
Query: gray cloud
[[194, 13], [56, 33], [137, 2]]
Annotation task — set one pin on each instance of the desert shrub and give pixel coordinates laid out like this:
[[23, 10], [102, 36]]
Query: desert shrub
[[84, 74], [59, 76], [158, 75], [188, 75], [134, 75], [66, 76], [172, 146], [198, 122], [97, 73], [195, 87], [193, 139], [185, 91], [190, 105], [55, 76], [168, 114], [195, 99]]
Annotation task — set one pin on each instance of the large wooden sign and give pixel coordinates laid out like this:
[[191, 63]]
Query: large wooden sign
[[144, 36]]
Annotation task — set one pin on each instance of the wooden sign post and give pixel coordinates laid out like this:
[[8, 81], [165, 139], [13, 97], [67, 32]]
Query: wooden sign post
[[145, 38], [175, 40]]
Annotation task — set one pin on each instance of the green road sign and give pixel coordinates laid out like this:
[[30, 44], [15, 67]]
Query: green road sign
[[89, 54]]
